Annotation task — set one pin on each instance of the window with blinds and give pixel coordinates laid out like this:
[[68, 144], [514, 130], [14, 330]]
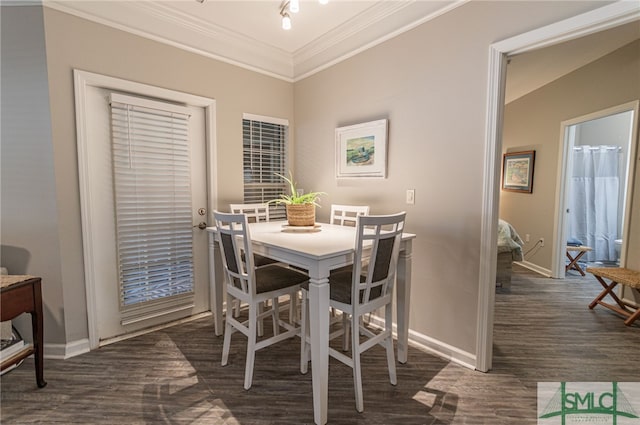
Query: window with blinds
[[264, 145], [152, 188]]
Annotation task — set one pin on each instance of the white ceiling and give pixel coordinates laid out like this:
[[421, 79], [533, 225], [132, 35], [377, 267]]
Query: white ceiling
[[248, 33]]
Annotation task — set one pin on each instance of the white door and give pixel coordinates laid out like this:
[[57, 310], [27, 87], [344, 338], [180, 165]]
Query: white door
[[99, 224]]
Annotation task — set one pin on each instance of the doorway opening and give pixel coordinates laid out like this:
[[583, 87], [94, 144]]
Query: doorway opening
[[596, 160], [610, 16]]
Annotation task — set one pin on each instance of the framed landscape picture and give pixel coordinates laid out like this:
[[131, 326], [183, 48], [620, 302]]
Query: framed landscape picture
[[361, 150], [517, 171]]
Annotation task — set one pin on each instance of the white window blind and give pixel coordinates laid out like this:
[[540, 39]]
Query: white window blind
[[264, 144], [152, 184]]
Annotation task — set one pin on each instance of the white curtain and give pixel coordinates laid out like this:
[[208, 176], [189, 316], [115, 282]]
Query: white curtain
[[594, 200]]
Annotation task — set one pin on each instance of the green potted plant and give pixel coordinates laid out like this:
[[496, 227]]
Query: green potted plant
[[300, 206]]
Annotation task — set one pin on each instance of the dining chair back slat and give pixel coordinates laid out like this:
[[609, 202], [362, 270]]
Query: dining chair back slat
[[346, 215], [377, 273], [234, 236], [255, 212]]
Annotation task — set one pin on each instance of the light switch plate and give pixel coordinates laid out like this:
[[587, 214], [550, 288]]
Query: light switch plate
[[411, 196]]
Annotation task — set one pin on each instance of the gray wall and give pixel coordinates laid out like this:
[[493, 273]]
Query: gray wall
[[533, 122], [431, 83], [30, 226]]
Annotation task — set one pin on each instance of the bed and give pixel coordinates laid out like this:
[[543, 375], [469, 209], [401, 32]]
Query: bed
[[509, 250]]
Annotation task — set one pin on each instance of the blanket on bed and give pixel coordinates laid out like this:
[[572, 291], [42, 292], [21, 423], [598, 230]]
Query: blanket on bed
[[509, 240]]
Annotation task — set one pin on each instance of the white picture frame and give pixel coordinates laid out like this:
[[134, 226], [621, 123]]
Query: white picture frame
[[361, 150]]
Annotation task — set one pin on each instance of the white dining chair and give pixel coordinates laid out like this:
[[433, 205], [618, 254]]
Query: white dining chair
[[360, 291], [253, 285], [255, 213], [345, 215]]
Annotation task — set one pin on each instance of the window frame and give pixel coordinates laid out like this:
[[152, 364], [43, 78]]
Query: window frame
[[266, 149]]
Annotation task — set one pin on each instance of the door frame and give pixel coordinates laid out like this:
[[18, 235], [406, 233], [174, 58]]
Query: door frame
[[562, 193], [597, 20], [82, 81]]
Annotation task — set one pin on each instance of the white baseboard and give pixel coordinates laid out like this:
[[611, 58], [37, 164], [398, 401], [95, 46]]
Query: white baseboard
[[81, 346], [433, 346], [416, 339], [534, 267], [65, 351], [442, 349]]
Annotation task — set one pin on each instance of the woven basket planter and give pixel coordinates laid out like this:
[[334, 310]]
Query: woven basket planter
[[301, 214]]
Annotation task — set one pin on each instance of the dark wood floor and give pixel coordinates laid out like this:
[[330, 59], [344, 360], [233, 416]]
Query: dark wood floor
[[543, 332]]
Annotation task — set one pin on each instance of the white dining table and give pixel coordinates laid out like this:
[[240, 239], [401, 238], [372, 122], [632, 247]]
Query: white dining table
[[328, 247]]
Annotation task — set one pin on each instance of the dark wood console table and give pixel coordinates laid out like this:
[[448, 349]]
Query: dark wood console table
[[23, 294]]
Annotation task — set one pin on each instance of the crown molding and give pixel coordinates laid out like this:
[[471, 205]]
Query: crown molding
[[166, 25], [365, 31], [160, 22]]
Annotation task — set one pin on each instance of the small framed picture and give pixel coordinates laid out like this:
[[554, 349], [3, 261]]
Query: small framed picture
[[361, 150], [517, 171]]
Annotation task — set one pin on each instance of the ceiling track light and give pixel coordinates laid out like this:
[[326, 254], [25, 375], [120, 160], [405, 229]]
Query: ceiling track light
[[284, 12], [286, 21], [294, 6], [290, 6]]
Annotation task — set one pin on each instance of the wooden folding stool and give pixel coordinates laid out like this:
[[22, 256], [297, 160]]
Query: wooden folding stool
[[573, 261], [617, 275]]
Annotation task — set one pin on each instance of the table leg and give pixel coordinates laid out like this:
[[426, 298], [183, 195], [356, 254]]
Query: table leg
[[216, 284], [37, 326], [403, 296], [319, 321]]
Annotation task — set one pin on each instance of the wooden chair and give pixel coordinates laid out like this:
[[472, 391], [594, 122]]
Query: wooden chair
[[346, 215], [253, 286], [358, 292]]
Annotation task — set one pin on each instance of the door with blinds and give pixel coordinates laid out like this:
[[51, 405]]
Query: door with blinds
[[149, 173]]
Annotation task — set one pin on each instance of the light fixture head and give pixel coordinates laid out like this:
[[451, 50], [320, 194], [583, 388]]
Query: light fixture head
[[289, 6], [286, 21]]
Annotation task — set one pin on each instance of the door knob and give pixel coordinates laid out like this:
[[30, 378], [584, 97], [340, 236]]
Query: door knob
[[202, 225]]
